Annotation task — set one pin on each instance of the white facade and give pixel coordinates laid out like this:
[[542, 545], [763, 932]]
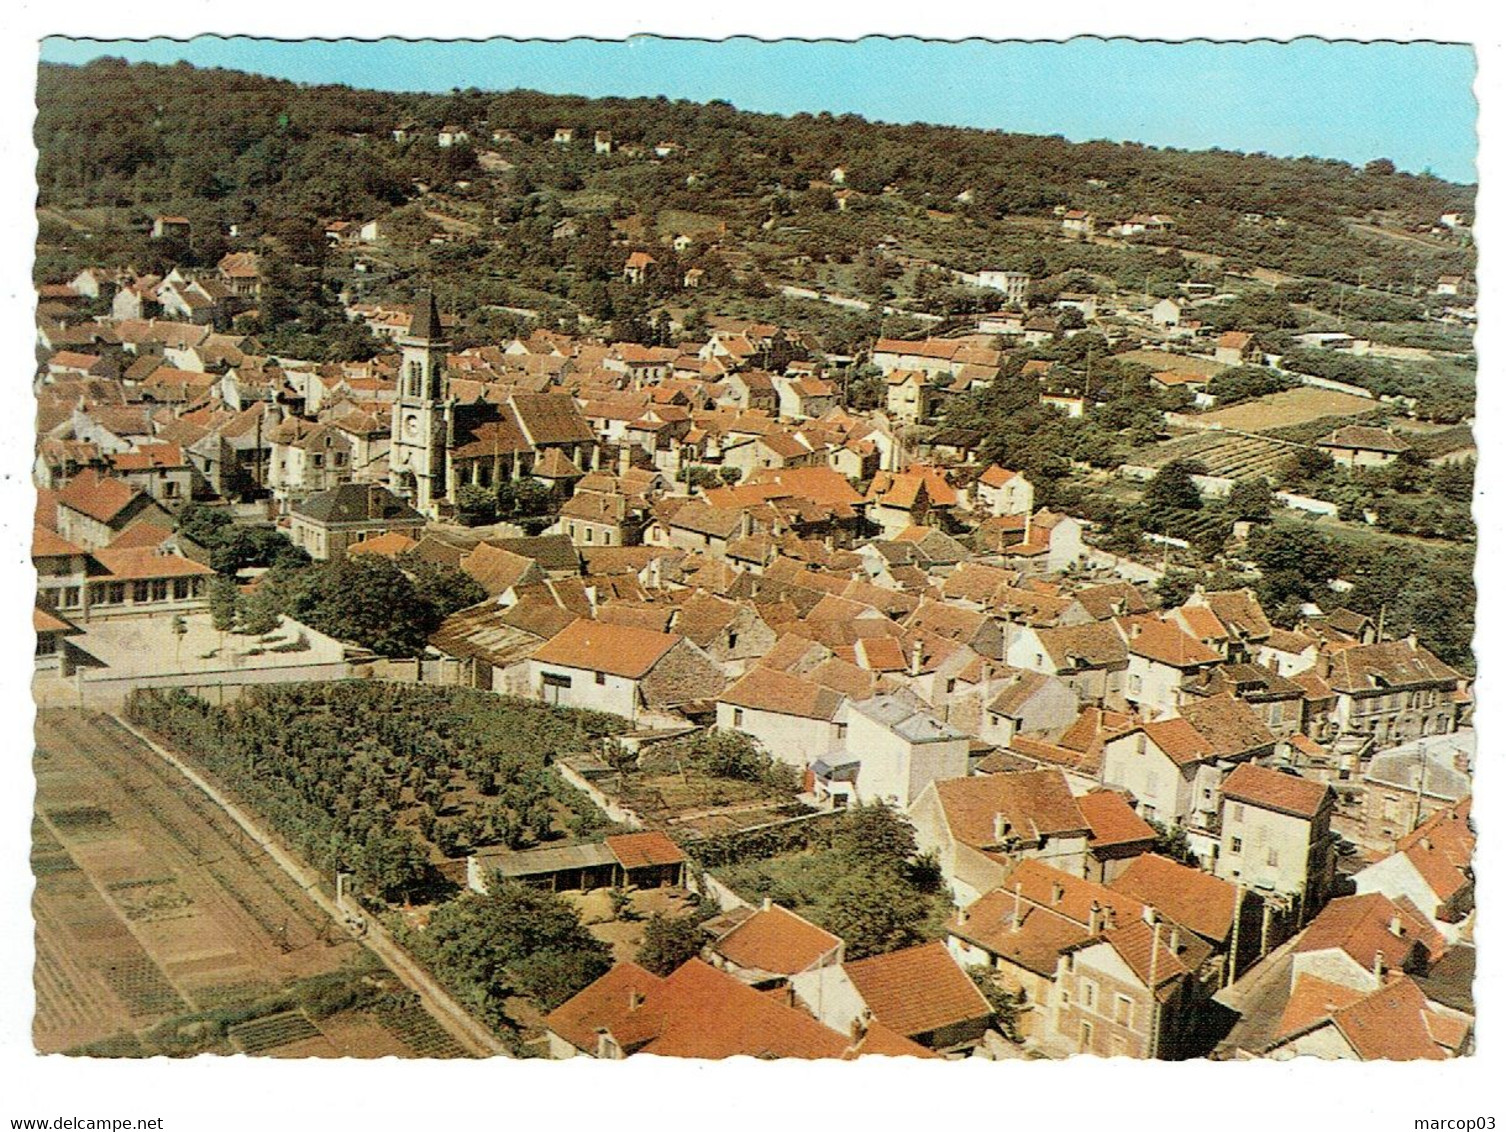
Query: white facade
[[791, 739], [583, 688]]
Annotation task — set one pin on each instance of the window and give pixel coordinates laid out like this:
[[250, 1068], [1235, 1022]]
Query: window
[[1140, 743], [1237, 812], [601, 677], [1088, 994], [159, 589], [1236, 845], [1124, 1009], [1085, 1037], [1134, 685], [555, 680], [140, 592], [71, 597], [1271, 858], [737, 717], [180, 589]]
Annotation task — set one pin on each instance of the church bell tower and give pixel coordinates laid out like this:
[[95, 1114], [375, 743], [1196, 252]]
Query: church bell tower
[[417, 460]]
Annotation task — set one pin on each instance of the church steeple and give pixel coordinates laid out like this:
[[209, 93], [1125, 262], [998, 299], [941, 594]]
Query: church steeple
[[417, 459]]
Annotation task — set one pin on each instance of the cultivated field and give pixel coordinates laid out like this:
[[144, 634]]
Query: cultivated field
[[158, 920], [1221, 453], [1292, 407]]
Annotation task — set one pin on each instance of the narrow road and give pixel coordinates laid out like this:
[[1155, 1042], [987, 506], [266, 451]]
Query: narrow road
[[451, 1015]]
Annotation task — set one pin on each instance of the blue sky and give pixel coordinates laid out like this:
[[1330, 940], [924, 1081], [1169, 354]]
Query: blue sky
[[1410, 102]]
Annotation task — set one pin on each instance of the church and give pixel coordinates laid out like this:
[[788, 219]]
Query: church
[[441, 443]]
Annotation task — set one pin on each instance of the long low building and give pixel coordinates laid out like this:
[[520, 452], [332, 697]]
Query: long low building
[[643, 860]]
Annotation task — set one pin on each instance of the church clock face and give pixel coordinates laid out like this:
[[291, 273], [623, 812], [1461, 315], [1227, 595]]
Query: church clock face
[[410, 426]]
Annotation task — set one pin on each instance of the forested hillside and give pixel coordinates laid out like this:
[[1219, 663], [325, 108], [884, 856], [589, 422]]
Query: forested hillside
[[225, 147]]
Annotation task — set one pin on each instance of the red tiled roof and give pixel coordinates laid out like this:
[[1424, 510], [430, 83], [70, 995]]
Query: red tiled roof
[[776, 940], [99, 497], [638, 850], [1188, 896], [600, 647], [1033, 804], [1112, 820], [917, 990], [1274, 790], [697, 1011]]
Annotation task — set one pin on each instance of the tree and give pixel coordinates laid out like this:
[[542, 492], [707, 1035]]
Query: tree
[[476, 505], [1172, 489], [875, 913], [368, 600], [875, 834], [1004, 1003], [1171, 841], [224, 599], [1251, 499], [514, 939], [390, 860], [441, 587], [668, 941]]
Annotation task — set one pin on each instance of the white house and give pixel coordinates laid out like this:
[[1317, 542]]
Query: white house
[[901, 749], [797, 721], [620, 669]]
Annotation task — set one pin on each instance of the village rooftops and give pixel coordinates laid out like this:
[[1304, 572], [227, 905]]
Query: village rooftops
[[1371, 925], [99, 497], [697, 1011], [1393, 1023], [768, 689], [900, 715], [1185, 895], [776, 941], [1275, 790], [596, 646], [997, 809], [1386, 665], [356, 503], [917, 990]]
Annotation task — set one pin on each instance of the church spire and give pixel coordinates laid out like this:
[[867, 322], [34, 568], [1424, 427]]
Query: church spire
[[425, 325]]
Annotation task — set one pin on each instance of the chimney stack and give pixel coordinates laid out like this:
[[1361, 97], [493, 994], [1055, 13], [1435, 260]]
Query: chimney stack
[[1095, 918], [768, 904], [1396, 926], [1017, 919], [915, 658], [1175, 942], [1057, 892], [1379, 969], [1001, 828], [635, 1000]]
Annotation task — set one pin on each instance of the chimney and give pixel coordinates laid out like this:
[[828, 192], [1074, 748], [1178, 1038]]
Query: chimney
[[1175, 942], [961, 917], [591, 598], [1001, 828], [1379, 969], [915, 658], [859, 1029], [607, 1048], [768, 904], [1396, 926], [635, 1000], [1136, 629], [1057, 892], [1095, 918], [624, 459], [1017, 918], [1148, 914]]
